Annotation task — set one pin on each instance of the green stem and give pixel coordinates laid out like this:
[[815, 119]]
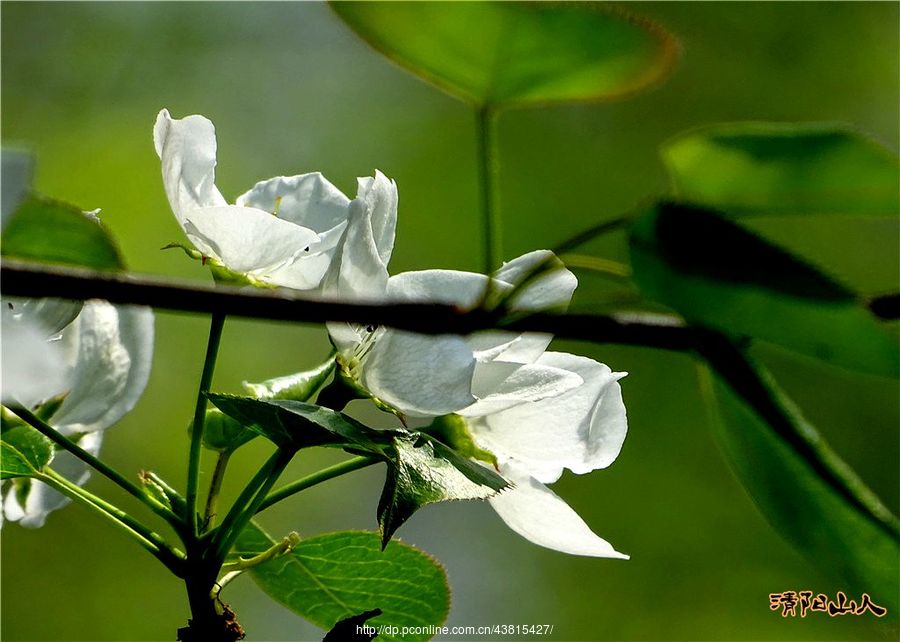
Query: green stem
[[215, 487], [248, 502], [107, 471], [209, 366], [487, 178], [318, 477], [276, 550], [595, 231], [598, 265], [234, 569], [172, 558]]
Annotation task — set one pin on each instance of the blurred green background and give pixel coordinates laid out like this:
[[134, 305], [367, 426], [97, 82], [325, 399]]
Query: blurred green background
[[291, 90]]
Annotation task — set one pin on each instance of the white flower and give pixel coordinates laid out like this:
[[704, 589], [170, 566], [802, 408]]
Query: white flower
[[428, 376], [536, 412], [100, 361], [285, 231], [582, 429]]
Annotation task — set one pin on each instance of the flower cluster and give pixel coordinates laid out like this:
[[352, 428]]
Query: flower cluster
[[530, 412], [82, 366], [85, 367]]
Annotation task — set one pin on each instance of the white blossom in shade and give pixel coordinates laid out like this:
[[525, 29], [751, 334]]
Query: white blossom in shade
[[286, 231], [99, 362], [582, 430], [428, 376], [536, 412]]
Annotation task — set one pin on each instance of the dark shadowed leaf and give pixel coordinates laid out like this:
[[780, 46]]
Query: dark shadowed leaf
[[352, 629], [506, 53], [301, 425], [331, 577], [767, 168], [784, 465], [51, 231], [717, 274], [422, 471], [224, 434]]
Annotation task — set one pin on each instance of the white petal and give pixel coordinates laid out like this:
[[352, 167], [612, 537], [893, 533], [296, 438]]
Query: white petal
[[381, 199], [113, 351], [540, 516], [344, 336], [582, 429], [500, 386], [361, 269], [187, 149], [358, 272], [309, 200], [50, 314], [420, 375], [41, 499], [553, 289], [253, 242], [33, 368], [451, 287]]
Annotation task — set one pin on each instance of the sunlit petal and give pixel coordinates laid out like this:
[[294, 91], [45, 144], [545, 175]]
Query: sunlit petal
[[540, 516]]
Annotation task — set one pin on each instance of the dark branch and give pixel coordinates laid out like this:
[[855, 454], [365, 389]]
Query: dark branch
[[37, 280], [886, 307]]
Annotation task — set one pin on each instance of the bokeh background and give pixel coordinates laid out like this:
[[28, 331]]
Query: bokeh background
[[291, 90]]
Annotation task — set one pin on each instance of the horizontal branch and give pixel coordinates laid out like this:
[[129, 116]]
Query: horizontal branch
[[39, 280], [886, 307]]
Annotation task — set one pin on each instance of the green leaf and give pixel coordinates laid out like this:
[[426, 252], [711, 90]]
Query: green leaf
[[300, 386], [51, 231], [351, 628], [790, 473], [717, 274], [25, 451], [765, 168], [424, 471], [301, 425], [331, 577], [160, 491], [224, 434], [508, 53], [421, 470]]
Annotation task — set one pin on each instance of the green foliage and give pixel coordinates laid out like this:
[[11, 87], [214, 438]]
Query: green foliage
[[25, 451], [421, 469], [453, 431], [51, 231], [516, 53], [334, 576], [223, 434], [300, 386], [850, 533], [424, 471], [766, 168], [716, 274], [160, 491], [296, 424]]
